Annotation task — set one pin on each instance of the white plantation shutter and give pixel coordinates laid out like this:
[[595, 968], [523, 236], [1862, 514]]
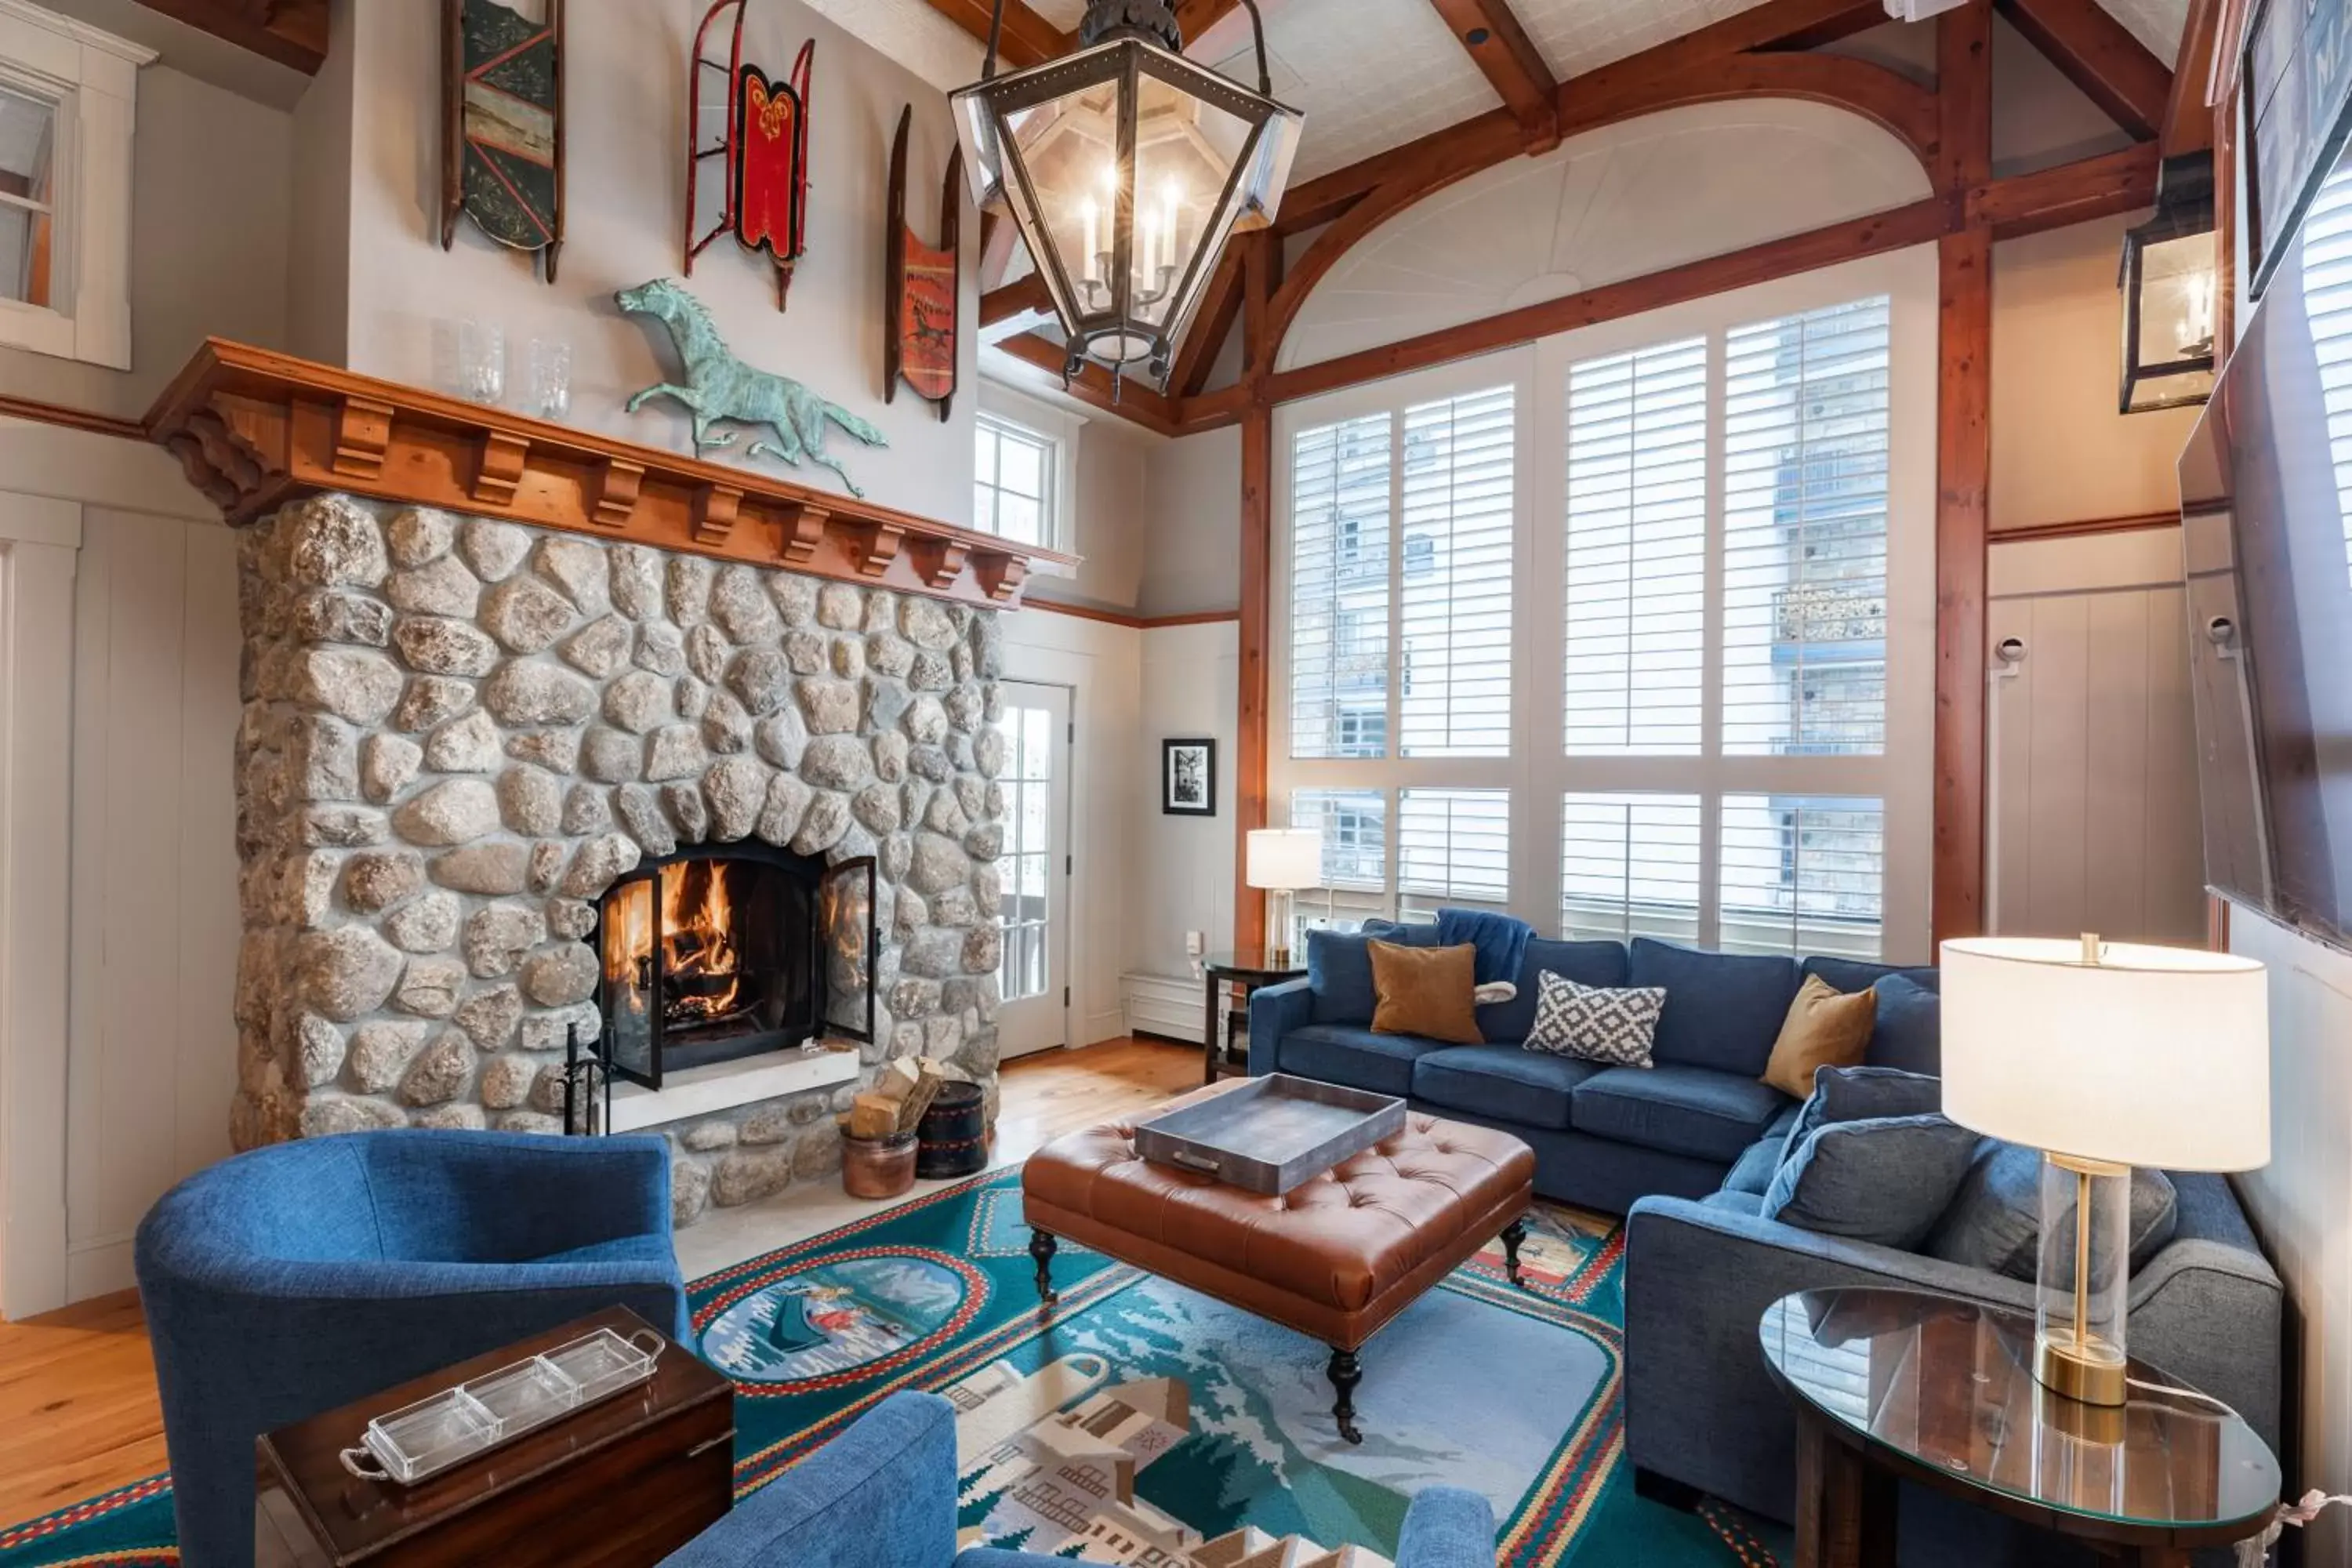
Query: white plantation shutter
[[1804, 534], [2326, 242], [1459, 467], [1340, 590], [1630, 866], [1803, 874], [1454, 846], [1636, 551]]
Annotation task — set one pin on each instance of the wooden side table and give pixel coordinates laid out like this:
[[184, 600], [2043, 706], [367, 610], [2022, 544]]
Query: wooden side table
[[620, 1484], [1904, 1385], [1249, 971]]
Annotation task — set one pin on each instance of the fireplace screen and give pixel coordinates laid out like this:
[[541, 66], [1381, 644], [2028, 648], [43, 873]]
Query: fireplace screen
[[723, 952]]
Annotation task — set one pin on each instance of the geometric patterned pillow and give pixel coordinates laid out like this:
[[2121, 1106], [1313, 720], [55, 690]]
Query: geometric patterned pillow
[[1598, 1026]]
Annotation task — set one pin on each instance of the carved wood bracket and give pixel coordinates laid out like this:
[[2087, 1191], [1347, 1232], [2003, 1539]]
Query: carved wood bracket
[[255, 429]]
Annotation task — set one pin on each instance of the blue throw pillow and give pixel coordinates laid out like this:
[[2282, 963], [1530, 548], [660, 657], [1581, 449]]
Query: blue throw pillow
[[1886, 1180], [1864, 1093], [1722, 1011], [1909, 1033], [1339, 967], [1995, 1220]]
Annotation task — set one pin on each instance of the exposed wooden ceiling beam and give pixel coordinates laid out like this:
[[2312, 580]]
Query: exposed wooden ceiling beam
[[1129, 399], [2098, 54], [1000, 305], [2187, 117], [1511, 62], [1214, 323], [2022, 204], [1029, 39], [291, 32], [1592, 99]]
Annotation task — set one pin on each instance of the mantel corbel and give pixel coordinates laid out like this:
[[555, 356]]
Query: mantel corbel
[[255, 429]]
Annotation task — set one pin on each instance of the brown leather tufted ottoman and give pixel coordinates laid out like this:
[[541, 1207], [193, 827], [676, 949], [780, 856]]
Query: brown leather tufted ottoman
[[1336, 1257]]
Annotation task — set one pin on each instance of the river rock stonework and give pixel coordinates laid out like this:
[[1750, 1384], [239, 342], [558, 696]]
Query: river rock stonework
[[458, 733]]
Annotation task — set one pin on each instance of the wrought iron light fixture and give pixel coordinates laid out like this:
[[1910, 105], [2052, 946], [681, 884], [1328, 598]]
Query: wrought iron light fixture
[[1127, 169], [2168, 277]]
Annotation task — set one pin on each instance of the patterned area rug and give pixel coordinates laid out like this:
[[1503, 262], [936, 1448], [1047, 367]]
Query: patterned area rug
[[1144, 1412]]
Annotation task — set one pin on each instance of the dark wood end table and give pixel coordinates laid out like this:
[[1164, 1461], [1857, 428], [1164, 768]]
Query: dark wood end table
[[1249, 971], [1904, 1385], [620, 1484]]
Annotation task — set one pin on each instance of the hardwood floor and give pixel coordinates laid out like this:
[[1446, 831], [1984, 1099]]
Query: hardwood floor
[[78, 1408]]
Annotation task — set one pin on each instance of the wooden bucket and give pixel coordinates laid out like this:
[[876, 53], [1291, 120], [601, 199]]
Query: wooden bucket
[[954, 1134]]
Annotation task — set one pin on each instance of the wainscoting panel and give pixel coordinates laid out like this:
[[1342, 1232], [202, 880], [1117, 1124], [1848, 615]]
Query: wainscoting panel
[[153, 1053]]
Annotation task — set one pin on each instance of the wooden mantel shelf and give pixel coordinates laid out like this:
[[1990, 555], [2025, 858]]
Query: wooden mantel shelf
[[256, 429]]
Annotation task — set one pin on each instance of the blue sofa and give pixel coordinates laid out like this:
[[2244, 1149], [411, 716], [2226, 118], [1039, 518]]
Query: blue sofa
[[297, 1278], [883, 1495], [1603, 1136]]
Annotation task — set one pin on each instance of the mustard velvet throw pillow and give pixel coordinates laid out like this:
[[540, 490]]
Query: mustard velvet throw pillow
[[1425, 991], [1824, 1028]]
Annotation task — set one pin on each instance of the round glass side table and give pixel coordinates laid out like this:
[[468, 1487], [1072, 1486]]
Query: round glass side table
[[1906, 1385]]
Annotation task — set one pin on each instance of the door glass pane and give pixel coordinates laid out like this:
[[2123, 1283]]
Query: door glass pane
[[1025, 870]]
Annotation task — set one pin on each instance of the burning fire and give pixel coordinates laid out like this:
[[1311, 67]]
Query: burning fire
[[701, 966]]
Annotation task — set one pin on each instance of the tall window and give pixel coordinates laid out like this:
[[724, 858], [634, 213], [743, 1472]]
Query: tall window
[[1715, 544], [1012, 486]]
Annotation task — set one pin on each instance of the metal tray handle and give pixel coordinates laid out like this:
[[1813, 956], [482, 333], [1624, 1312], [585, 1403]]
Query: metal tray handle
[[353, 1458], [1192, 1161]]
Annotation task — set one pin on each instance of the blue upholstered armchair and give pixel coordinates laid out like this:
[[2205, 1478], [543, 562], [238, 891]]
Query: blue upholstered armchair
[[883, 1495], [297, 1278]]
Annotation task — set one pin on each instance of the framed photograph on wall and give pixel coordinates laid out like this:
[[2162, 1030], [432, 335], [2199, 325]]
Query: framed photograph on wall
[[1188, 778], [2295, 83]]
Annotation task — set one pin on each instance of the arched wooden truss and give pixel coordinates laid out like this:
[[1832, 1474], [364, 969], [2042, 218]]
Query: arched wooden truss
[[1761, 52]]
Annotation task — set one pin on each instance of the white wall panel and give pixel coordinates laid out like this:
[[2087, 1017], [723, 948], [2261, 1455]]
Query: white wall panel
[[2094, 806], [154, 912]]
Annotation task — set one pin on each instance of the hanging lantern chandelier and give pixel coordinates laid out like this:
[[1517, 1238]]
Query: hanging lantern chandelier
[[1127, 169]]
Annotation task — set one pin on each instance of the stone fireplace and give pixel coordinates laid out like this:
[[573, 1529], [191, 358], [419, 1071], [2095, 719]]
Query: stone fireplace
[[499, 786]]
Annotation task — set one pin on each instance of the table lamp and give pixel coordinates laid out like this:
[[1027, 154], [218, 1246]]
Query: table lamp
[[1282, 860], [2104, 1055]]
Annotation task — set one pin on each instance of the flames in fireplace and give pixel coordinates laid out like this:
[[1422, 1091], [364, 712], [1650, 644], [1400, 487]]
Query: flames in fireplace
[[701, 979]]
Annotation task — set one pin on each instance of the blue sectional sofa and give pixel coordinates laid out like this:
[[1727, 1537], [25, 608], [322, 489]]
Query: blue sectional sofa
[[1687, 1150], [1603, 1136]]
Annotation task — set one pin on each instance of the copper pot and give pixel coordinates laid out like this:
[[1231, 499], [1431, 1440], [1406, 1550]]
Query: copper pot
[[878, 1167]]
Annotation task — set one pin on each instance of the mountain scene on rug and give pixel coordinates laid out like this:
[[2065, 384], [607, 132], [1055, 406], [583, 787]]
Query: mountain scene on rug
[[1141, 1422]]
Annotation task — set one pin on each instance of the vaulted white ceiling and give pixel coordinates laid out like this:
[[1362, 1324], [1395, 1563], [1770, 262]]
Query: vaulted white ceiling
[[1375, 74]]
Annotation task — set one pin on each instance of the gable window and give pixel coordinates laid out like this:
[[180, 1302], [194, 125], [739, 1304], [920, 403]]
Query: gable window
[[1012, 481], [68, 96], [1630, 631]]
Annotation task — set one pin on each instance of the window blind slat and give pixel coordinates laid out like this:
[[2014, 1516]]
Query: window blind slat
[[1805, 472], [1340, 590], [1636, 552], [1459, 504]]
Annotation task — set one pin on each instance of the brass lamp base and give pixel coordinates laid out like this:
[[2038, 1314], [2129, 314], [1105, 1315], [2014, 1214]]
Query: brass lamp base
[[2092, 1372]]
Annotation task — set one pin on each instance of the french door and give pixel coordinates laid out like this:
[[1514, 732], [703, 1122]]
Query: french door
[[1035, 868]]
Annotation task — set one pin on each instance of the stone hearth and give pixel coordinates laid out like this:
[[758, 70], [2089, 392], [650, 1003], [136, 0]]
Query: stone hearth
[[458, 732]]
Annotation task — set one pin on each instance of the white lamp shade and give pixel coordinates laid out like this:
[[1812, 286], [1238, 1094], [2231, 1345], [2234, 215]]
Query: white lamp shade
[[1286, 858], [2157, 1056]]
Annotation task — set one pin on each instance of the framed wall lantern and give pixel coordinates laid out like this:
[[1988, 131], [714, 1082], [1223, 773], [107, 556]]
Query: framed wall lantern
[[1127, 169], [2168, 278]]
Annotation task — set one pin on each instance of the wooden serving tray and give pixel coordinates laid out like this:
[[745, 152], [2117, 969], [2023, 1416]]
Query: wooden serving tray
[[1271, 1133]]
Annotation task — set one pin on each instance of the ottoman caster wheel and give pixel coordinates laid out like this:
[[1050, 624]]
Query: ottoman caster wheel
[[1345, 1372], [1041, 1247]]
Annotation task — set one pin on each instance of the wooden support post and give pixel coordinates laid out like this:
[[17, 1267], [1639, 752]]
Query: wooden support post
[[1261, 266]]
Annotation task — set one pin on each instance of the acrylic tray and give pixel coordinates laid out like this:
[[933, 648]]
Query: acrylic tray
[[423, 1439]]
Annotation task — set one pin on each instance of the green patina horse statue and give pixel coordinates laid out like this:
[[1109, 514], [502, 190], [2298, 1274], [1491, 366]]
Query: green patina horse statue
[[718, 387]]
